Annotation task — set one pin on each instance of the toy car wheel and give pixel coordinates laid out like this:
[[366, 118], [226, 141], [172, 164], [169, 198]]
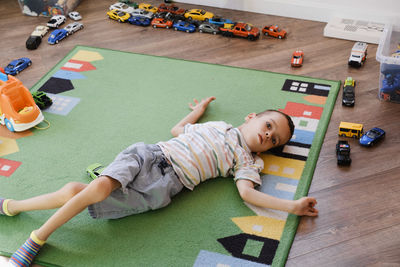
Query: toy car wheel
[[175, 29], [205, 19], [200, 31], [187, 30], [167, 27], [251, 38], [56, 41], [119, 20], [30, 63], [154, 26], [190, 18], [9, 125], [266, 33], [280, 37], [16, 72], [214, 33]]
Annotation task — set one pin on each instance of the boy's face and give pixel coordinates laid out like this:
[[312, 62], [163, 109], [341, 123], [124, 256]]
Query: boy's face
[[265, 131]]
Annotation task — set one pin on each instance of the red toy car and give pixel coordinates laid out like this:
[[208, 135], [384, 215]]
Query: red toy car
[[2, 70], [297, 58], [241, 30], [173, 9], [274, 31], [161, 23]]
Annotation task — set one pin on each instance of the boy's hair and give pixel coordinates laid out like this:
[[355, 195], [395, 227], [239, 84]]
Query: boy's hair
[[289, 119]]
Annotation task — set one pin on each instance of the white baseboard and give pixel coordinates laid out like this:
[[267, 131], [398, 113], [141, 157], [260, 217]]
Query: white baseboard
[[384, 11]]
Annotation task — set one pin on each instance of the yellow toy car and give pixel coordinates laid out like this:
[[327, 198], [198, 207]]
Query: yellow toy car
[[198, 14], [118, 15], [148, 7]]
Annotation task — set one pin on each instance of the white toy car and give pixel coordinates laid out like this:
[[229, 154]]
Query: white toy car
[[73, 27], [40, 31], [75, 15], [358, 54], [122, 7], [141, 13], [56, 21]]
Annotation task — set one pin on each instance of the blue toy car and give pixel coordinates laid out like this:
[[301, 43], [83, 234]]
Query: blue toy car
[[219, 21], [372, 136], [140, 21], [184, 26], [57, 35], [17, 65]]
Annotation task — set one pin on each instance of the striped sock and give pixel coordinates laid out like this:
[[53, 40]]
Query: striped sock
[[25, 255], [3, 207]]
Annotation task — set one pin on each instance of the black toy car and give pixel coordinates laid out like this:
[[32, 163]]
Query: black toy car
[[343, 153], [33, 42], [42, 100], [348, 97]]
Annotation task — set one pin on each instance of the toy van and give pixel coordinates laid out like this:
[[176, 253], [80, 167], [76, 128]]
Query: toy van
[[358, 54], [349, 129], [18, 110]]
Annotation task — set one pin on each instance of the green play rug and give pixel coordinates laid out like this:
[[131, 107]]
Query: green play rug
[[105, 100]]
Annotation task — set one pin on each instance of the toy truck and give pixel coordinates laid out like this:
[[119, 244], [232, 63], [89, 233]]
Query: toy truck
[[240, 29], [343, 153], [358, 54]]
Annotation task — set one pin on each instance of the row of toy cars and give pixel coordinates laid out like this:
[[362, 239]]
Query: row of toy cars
[[57, 35], [171, 16]]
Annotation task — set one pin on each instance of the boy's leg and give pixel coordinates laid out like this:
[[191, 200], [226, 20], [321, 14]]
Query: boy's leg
[[96, 191], [43, 202]]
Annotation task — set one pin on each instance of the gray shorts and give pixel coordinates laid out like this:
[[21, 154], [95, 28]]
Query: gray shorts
[[148, 182]]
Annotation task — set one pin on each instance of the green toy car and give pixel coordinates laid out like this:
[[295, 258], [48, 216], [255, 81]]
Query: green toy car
[[94, 170], [42, 100]]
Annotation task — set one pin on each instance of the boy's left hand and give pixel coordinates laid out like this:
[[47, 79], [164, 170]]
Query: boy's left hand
[[305, 206]]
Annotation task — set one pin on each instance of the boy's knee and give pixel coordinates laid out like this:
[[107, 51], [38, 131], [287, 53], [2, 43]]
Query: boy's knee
[[73, 188], [101, 188]]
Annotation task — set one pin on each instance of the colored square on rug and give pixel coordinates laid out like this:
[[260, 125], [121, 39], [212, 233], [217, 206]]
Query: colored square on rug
[[127, 98]]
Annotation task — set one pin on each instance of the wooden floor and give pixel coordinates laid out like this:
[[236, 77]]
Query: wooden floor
[[359, 221]]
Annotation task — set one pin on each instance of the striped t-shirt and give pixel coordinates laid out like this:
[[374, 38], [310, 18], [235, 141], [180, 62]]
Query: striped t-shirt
[[210, 150]]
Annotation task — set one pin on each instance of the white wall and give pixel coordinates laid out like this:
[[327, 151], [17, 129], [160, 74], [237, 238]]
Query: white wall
[[318, 10]]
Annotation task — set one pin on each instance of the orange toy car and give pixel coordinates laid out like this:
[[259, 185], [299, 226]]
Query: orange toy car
[[161, 23], [274, 31], [240, 30], [297, 58], [173, 9], [18, 110]]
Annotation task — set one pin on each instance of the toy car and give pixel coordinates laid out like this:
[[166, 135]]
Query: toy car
[[73, 27], [122, 7], [297, 58], [198, 14], [18, 110], [390, 88], [173, 9], [56, 21], [372, 136], [74, 15], [33, 42], [139, 21], [118, 15], [343, 153], [274, 31], [184, 26], [17, 65], [42, 100], [219, 21], [240, 29], [209, 28], [129, 3], [94, 170], [148, 7], [40, 31], [348, 96], [57, 35], [358, 54], [142, 13], [161, 23]]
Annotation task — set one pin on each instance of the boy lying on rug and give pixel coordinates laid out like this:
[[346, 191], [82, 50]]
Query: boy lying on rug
[[145, 177]]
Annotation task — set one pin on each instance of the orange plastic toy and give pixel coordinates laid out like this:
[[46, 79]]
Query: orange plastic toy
[[18, 110]]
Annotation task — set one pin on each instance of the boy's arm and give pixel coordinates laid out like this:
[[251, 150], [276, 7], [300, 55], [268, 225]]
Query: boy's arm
[[197, 111], [302, 206]]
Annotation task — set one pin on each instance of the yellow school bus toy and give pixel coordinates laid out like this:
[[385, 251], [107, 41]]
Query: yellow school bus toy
[[349, 129]]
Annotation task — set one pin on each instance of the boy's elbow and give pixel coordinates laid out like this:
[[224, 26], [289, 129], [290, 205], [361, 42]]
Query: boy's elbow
[[176, 131]]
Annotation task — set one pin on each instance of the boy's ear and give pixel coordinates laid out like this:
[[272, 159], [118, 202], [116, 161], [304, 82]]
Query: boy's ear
[[250, 116]]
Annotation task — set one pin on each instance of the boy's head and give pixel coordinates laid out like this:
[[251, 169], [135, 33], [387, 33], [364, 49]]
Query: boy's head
[[266, 130]]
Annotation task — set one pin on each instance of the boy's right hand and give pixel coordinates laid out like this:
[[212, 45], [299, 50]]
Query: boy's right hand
[[305, 206], [201, 107]]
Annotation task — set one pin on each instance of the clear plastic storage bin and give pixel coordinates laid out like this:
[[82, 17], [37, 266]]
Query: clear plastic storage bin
[[388, 54]]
